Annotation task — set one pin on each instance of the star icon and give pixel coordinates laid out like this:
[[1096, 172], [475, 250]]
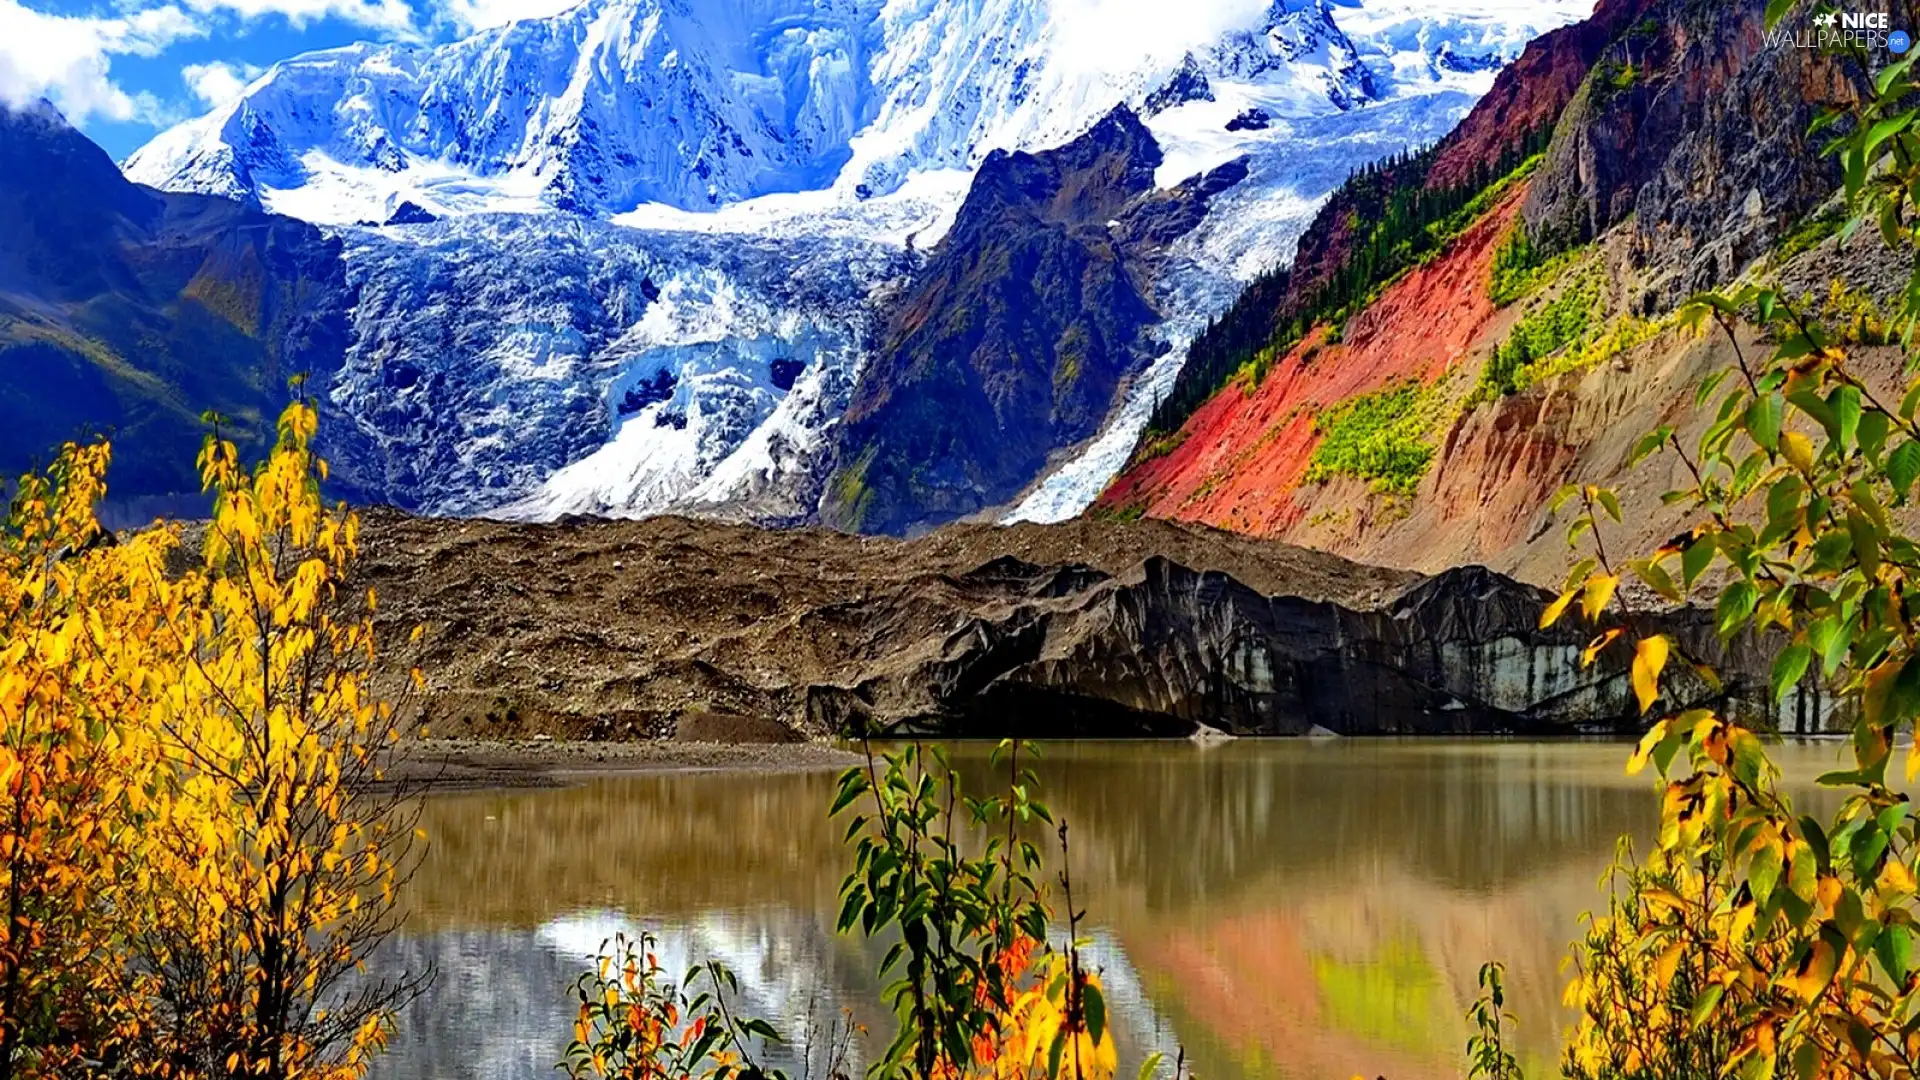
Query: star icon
[[1825, 18]]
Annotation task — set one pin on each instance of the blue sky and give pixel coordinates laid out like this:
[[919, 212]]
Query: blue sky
[[124, 69]]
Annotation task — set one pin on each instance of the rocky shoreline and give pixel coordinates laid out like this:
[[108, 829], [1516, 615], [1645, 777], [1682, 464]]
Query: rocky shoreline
[[449, 765]]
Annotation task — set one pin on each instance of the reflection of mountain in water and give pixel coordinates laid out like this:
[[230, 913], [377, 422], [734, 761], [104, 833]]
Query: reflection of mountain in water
[[502, 1005], [1169, 824], [495, 1008], [1197, 827], [1320, 907]]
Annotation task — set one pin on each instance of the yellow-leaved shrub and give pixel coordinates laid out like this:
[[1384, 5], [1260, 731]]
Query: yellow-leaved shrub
[[1754, 940], [198, 842]]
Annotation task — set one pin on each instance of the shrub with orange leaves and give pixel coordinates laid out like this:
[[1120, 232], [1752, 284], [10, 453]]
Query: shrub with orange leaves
[[1756, 941], [634, 1025], [1055, 1026]]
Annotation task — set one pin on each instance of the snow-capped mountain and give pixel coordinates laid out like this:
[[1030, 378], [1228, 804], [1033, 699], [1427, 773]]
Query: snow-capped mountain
[[600, 108], [1306, 42], [626, 259], [619, 104], [1411, 42]]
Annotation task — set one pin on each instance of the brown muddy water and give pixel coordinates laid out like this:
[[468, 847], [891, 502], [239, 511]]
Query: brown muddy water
[[1299, 908]]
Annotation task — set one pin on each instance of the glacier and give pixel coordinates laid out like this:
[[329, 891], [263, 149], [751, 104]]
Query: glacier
[[625, 260], [495, 354]]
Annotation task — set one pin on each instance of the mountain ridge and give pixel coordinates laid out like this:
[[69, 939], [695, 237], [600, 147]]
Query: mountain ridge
[[130, 311], [618, 103], [1014, 336]]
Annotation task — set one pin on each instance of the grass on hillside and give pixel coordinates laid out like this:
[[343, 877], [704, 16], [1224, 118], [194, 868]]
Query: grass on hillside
[[1568, 321], [1521, 268], [1379, 437]]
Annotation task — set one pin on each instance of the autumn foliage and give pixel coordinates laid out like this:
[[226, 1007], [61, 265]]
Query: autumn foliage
[[196, 845], [978, 987], [1756, 941]]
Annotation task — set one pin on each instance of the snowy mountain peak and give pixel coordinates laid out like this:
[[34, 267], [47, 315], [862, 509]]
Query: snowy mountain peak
[[1301, 35], [598, 109], [1187, 83], [692, 106]]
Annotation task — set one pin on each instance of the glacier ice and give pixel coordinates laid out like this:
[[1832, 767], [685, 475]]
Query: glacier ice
[[493, 355]]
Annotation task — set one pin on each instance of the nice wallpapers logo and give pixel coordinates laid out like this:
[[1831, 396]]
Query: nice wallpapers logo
[[1844, 30]]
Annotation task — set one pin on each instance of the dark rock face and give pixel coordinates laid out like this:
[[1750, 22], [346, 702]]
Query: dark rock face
[[411, 213], [1187, 83], [649, 390], [784, 371], [1250, 120], [1013, 340], [1452, 59], [1692, 125], [1530, 92], [1165, 648], [129, 311]]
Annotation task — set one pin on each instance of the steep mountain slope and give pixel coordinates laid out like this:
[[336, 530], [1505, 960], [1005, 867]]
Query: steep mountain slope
[[129, 311], [1376, 223], [1240, 459], [1428, 425], [1013, 338]]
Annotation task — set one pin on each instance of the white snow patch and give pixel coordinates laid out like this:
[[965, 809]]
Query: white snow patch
[[920, 211]]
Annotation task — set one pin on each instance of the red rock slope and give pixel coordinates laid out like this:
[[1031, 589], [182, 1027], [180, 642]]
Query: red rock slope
[[1241, 458]]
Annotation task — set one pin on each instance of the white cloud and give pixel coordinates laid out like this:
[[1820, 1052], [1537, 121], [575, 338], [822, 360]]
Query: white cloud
[[67, 58], [1101, 35], [482, 14], [393, 16], [218, 82]]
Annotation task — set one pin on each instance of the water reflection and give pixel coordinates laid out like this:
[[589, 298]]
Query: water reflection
[[1306, 908]]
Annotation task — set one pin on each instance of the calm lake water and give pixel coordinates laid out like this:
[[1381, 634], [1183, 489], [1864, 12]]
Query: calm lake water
[[1307, 909]]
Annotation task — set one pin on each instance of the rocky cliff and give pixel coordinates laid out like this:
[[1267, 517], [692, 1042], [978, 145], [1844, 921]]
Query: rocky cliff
[[1529, 94], [627, 629], [1692, 134], [1011, 342]]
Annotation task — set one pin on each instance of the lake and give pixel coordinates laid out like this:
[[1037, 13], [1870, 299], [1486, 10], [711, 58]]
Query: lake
[[1301, 908]]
